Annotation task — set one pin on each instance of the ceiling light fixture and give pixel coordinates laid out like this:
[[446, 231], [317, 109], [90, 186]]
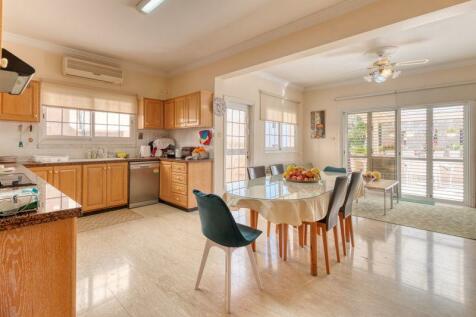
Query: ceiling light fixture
[[147, 6]]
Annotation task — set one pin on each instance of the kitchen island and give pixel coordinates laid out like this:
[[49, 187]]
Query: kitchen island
[[38, 256]]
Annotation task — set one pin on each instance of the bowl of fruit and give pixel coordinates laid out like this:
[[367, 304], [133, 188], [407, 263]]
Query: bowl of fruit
[[372, 176], [301, 175]]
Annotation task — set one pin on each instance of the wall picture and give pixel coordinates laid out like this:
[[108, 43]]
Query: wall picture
[[318, 124]]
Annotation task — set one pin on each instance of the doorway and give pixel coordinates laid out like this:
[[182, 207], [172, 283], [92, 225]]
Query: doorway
[[237, 123]]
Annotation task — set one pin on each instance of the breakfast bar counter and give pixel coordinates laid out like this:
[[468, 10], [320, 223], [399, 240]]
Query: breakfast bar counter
[[38, 255]]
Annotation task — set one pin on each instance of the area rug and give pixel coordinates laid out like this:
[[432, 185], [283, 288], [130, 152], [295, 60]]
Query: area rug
[[110, 218], [448, 219]]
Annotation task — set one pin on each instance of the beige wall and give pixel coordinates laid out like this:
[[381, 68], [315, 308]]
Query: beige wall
[[48, 65], [246, 90], [373, 17]]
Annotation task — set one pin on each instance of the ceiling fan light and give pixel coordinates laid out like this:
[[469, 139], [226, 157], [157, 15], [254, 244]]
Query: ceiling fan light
[[396, 74], [386, 72]]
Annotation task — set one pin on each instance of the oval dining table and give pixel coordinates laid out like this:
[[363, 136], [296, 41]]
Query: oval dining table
[[284, 203]]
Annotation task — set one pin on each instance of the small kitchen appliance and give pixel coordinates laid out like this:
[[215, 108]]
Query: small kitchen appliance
[[145, 151]]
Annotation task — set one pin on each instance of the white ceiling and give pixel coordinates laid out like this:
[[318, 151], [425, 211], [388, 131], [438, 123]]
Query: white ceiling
[[446, 41], [178, 33]]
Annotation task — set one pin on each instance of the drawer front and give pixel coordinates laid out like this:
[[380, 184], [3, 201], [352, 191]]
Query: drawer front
[[179, 188], [179, 199], [179, 178], [179, 167]]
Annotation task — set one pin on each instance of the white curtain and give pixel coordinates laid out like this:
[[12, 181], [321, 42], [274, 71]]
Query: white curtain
[[87, 98], [278, 109]]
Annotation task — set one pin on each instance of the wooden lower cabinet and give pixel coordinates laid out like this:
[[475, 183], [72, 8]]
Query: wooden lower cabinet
[[94, 187], [117, 184], [105, 185], [66, 178], [179, 179]]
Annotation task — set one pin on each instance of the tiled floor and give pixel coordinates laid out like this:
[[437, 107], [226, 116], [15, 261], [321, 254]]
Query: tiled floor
[[148, 266]]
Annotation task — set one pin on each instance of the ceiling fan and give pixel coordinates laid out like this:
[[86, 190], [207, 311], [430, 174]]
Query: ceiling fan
[[384, 68]]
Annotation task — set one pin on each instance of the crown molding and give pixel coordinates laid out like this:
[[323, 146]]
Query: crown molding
[[64, 50], [415, 71]]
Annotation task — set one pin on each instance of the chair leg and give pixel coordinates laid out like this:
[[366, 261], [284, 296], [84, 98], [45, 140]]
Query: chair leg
[[285, 241], [300, 235], [313, 248], [254, 266], [268, 228], [347, 230], [351, 230], [279, 228], [336, 243], [326, 251], [228, 280], [206, 250], [304, 241], [342, 233]]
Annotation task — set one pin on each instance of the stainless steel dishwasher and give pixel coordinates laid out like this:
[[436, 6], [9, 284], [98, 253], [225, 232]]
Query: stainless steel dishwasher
[[143, 183]]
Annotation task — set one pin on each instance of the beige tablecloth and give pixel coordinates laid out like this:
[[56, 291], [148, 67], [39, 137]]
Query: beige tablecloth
[[288, 211]]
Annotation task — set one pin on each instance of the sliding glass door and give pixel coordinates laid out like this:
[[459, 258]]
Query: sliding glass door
[[431, 154], [371, 142]]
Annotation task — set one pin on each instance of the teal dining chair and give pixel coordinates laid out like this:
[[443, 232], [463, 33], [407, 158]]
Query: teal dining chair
[[221, 230], [332, 169]]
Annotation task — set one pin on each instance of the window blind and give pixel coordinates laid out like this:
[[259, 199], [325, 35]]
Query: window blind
[[273, 108], [87, 98]]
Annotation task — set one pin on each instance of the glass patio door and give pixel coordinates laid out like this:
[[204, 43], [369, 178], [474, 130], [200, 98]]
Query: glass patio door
[[236, 142]]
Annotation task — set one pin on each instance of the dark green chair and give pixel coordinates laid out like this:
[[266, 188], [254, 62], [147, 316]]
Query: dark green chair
[[221, 230], [332, 169]]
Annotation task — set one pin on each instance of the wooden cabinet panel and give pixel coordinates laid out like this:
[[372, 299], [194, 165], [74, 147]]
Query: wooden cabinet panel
[[179, 178], [165, 191], [25, 107], [180, 200], [150, 114], [179, 189], [94, 187], [179, 167], [193, 108], [181, 112], [117, 184], [46, 173], [169, 114], [67, 178]]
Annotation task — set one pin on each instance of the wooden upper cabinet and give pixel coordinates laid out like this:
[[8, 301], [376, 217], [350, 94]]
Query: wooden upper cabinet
[[194, 110], [150, 114], [169, 114], [94, 187], [181, 113], [117, 184], [24, 107], [68, 179]]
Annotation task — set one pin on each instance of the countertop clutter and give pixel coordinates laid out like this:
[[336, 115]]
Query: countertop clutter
[[53, 204]]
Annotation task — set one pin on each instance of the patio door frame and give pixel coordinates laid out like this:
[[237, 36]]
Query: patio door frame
[[469, 197], [242, 106]]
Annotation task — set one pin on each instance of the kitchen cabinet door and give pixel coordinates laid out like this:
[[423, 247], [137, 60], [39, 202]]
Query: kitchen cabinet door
[[67, 179], [94, 187], [181, 111], [117, 184], [153, 113], [46, 173], [193, 110], [169, 114], [165, 191], [24, 107]]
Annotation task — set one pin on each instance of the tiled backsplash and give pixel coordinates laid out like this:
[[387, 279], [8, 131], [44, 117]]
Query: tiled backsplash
[[11, 137]]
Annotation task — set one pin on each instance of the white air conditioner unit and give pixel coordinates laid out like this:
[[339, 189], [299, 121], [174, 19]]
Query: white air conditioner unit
[[86, 69]]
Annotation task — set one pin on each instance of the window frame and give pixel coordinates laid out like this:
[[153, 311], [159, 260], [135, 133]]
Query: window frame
[[59, 139], [280, 148]]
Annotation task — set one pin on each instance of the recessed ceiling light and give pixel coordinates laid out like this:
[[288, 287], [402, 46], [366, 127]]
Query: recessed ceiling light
[[147, 6]]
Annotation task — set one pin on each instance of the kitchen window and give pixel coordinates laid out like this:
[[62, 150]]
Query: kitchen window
[[280, 136], [69, 123]]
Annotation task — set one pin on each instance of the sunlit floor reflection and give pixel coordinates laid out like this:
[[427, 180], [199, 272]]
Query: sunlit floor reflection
[[147, 267]]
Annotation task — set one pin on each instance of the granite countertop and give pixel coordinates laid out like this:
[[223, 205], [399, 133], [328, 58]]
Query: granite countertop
[[108, 160], [53, 205]]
